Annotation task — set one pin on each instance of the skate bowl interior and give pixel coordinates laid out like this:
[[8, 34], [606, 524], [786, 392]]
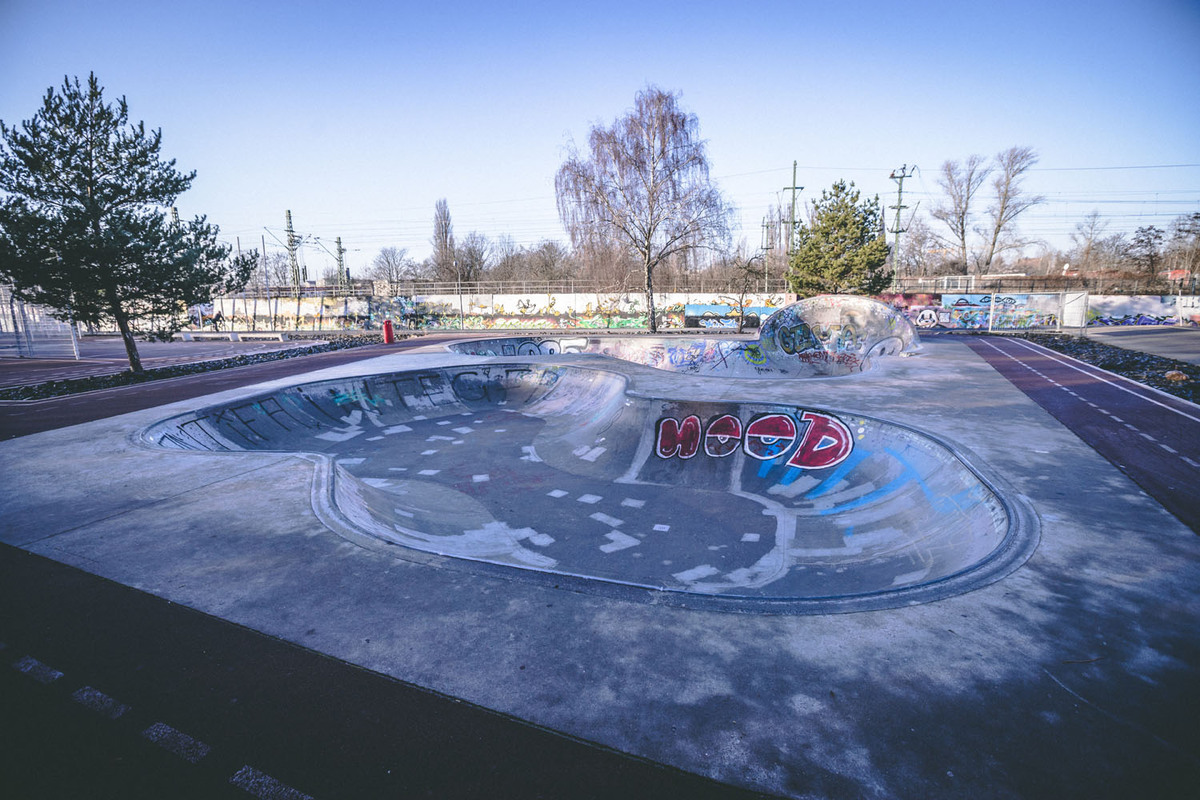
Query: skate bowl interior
[[555, 472], [824, 336]]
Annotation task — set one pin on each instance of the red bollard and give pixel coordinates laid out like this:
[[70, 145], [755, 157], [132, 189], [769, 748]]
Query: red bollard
[[389, 336]]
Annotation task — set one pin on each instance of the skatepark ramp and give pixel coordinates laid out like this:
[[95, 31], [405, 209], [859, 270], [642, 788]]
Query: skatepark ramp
[[555, 472]]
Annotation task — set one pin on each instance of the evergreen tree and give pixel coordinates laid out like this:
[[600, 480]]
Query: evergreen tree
[[842, 250], [84, 225]]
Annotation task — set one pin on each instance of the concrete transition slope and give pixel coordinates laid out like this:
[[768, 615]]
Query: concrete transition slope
[[554, 472], [820, 336]]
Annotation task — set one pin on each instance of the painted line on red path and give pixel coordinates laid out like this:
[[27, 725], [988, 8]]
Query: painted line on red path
[[1103, 379], [177, 742], [1098, 374], [263, 786], [31, 667]]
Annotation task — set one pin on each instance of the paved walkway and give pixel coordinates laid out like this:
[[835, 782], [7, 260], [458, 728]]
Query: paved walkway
[[106, 356], [1169, 341]]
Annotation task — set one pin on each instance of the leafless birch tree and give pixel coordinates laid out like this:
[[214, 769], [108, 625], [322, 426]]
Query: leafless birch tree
[[645, 183]]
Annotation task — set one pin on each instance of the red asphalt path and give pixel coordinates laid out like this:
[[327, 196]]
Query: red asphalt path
[[1152, 437]]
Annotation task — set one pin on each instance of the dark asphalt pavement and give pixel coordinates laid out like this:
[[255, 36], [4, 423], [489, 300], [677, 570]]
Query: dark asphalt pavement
[[207, 702]]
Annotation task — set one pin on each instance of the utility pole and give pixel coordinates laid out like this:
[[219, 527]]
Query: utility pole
[[766, 249], [298, 278], [792, 222], [898, 175], [343, 274]]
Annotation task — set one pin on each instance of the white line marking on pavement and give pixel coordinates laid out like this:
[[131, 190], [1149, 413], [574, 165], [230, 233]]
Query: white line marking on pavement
[[263, 786], [177, 742], [99, 702], [37, 670]]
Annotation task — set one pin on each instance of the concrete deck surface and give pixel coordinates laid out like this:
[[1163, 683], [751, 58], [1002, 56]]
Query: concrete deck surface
[[1076, 676]]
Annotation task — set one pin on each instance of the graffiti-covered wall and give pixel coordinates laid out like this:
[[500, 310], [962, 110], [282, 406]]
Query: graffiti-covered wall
[[1142, 310], [591, 311], [599, 311], [979, 311]]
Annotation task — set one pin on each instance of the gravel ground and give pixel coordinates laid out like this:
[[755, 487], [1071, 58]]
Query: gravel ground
[[1141, 367]]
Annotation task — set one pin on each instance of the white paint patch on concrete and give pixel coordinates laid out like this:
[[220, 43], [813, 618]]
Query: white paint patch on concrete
[[618, 541], [611, 522], [556, 493], [397, 429], [593, 454], [481, 478], [590, 498], [696, 573], [630, 502]]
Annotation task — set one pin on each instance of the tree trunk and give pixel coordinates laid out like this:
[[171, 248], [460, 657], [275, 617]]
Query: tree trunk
[[135, 361], [650, 296]]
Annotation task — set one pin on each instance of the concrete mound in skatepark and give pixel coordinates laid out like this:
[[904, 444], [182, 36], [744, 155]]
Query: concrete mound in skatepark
[[556, 472], [822, 336]]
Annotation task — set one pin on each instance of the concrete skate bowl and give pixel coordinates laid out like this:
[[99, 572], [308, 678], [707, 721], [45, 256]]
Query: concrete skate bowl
[[823, 336], [554, 473]]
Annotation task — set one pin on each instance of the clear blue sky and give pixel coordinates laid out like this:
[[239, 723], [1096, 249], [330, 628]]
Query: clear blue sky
[[359, 115]]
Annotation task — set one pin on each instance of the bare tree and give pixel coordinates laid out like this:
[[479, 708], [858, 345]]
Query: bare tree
[[645, 182], [472, 255], [272, 271], [1145, 248], [507, 259], [921, 252], [1087, 236], [960, 182], [392, 265], [1010, 202], [1184, 244], [442, 260]]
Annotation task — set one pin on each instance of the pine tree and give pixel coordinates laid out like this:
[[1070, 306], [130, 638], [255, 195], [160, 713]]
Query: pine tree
[[84, 225], [842, 250]]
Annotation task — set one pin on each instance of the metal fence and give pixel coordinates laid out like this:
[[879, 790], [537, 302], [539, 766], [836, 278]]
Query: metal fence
[[29, 331]]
